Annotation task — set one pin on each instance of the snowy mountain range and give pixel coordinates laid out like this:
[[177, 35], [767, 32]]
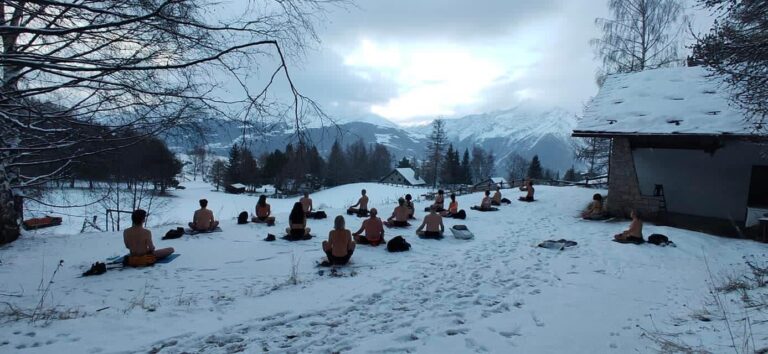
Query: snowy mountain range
[[522, 130]]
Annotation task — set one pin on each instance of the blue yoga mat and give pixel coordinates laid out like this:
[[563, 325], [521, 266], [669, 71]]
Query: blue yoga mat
[[119, 259]]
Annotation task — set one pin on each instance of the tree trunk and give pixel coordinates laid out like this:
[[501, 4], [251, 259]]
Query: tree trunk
[[9, 217]]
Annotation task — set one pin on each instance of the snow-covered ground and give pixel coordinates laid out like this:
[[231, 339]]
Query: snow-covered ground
[[231, 291]]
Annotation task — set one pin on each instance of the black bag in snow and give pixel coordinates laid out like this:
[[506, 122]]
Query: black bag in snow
[[319, 215], [398, 244], [172, 234], [242, 218], [660, 240]]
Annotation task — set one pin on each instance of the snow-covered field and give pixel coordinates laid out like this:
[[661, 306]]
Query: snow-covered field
[[231, 291]]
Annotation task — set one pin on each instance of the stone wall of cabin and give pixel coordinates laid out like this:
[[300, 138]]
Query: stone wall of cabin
[[623, 189]]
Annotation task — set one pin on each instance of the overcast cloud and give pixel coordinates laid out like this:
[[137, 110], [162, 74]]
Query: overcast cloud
[[413, 60]]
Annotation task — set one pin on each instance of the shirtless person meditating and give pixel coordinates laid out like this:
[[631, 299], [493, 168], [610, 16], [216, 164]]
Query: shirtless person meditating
[[139, 241], [399, 216], [339, 247], [203, 219], [374, 231], [485, 204], [433, 223], [361, 208], [263, 211], [529, 187], [635, 231], [439, 203], [306, 204]]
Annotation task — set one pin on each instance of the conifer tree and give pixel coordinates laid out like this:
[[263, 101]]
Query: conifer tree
[[534, 170], [337, 166]]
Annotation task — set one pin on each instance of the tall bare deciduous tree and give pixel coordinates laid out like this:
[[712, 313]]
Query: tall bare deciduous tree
[[640, 35], [594, 153], [79, 76], [737, 48], [435, 148]]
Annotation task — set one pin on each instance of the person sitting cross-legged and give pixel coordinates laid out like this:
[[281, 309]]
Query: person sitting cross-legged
[[263, 212], [399, 216], [433, 223], [497, 199], [439, 203], [453, 208], [635, 231], [297, 224], [203, 219], [339, 247], [530, 190], [139, 241], [485, 204], [409, 205], [306, 204], [374, 230], [361, 207], [595, 209]]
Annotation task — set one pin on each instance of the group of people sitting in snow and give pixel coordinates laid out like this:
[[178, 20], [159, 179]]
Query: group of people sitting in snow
[[341, 242]]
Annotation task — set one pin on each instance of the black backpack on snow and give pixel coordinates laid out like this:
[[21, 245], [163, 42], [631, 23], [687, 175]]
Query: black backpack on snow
[[242, 218], [173, 234], [398, 244], [319, 215]]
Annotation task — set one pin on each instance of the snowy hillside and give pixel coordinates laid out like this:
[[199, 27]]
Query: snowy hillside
[[232, 292], [523, 130]]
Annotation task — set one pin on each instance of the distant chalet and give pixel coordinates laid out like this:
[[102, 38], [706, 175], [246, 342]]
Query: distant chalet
[[681, 154], [403, 176]]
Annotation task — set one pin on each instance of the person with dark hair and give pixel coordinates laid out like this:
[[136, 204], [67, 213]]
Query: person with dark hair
[[339, 247], [374, 231], [453, 207], [263, 212], [433, 223], [306, 204], [399, 216], [409, 205], [635, 232], [439, 203], [528, 187], [297, 224], [485, 204], [361, 208], [595, 209], [139, 241], [203, 220]]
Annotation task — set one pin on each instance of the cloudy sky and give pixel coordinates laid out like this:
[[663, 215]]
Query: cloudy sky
[[413, 60]]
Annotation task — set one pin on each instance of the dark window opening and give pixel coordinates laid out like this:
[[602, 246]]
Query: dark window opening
[[758, 187]]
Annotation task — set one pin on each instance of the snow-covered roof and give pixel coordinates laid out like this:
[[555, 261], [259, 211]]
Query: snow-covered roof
[[410, 175], [237, 185], [679, 100]]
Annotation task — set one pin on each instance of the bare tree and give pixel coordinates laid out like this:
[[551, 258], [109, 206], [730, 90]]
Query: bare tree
[[595, 153], [199, 158], [79, 76], [517, 167], [435, 147], [640, 35], [736, 48]]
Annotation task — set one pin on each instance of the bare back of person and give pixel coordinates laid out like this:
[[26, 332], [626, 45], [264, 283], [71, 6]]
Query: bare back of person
[[401, 213], [340, 242], [432, 222], [374, 228], [138, 240], [363, 202], [203, 220], [306, 204]]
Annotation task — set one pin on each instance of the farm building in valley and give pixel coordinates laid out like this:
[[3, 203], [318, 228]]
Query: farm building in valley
[[404, 176], [680, 154], [491, 183]]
